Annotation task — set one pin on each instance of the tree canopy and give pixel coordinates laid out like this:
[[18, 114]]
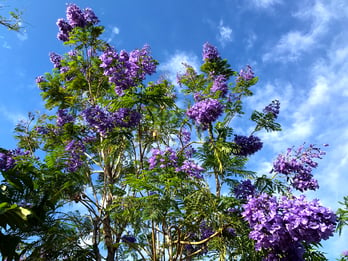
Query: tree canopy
[[121, 170]]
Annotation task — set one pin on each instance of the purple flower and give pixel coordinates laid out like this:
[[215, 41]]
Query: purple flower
[[75, 16], [298, 165], [246, 74], [205, 230], [104, 121], [127, 70], [63, 118], [185, 136], [210, 52], [76, 150], [191, 169], [220, 85], [128, 239], [6, 161], [272, 108], [64, 30], [247, 145], [90, 17], [280, 226], [40, 79], [163, 158], [244, 189], [345, 253], [56, 60], [205, 112], [125, 117]]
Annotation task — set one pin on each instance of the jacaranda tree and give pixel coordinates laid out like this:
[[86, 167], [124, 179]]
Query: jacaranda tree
[[119, 171]]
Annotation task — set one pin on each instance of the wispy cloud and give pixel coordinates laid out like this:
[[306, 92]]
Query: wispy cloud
[[13, 117], [224, 34], [114, 32], [294, 43], [264, 3]]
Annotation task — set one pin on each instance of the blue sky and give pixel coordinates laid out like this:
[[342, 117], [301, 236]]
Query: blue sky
[[299, 50]]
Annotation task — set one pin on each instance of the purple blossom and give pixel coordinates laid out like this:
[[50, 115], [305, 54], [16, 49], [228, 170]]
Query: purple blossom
[[191, 169], [56, 60], [298, 165], [205, 230], [220, 85], [246, 74], [42, 130], [104, 121], [345, 253], [163, 158], [76, 150], [244, 189], [63, 117], [98, 119], [247, 145], [185, 136], [125, 117], [90, 17], [279, 226], [127, 70], [75, 16], [128, 239], [210, 52], [64, 30], [272, 108], [40, 79], [205, 112], [6, 161]]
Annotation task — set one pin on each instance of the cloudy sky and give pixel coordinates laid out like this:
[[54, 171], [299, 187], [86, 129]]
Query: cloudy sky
[[299, 50]]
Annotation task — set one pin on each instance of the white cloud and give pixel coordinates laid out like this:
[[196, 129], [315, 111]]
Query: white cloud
[[225, 34], [175, 65], [11, 116], [114, 32], [265, 3], [293, 44]]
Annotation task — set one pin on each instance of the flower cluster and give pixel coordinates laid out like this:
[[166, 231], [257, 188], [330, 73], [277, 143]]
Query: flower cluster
[[63, 118], [165, 158], [40, 79], [125, 117], [220, 85], [6, 161], [210, 52], [56, 60], [76, 150], [8, 158], [246, 74], [300, 163], [185, 136], [247, 145], [126, 70], [244, 189], [104, 121], [205, 112], [191, 169], [272, 108], [279, 226], [128, 239], [76, 18]]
